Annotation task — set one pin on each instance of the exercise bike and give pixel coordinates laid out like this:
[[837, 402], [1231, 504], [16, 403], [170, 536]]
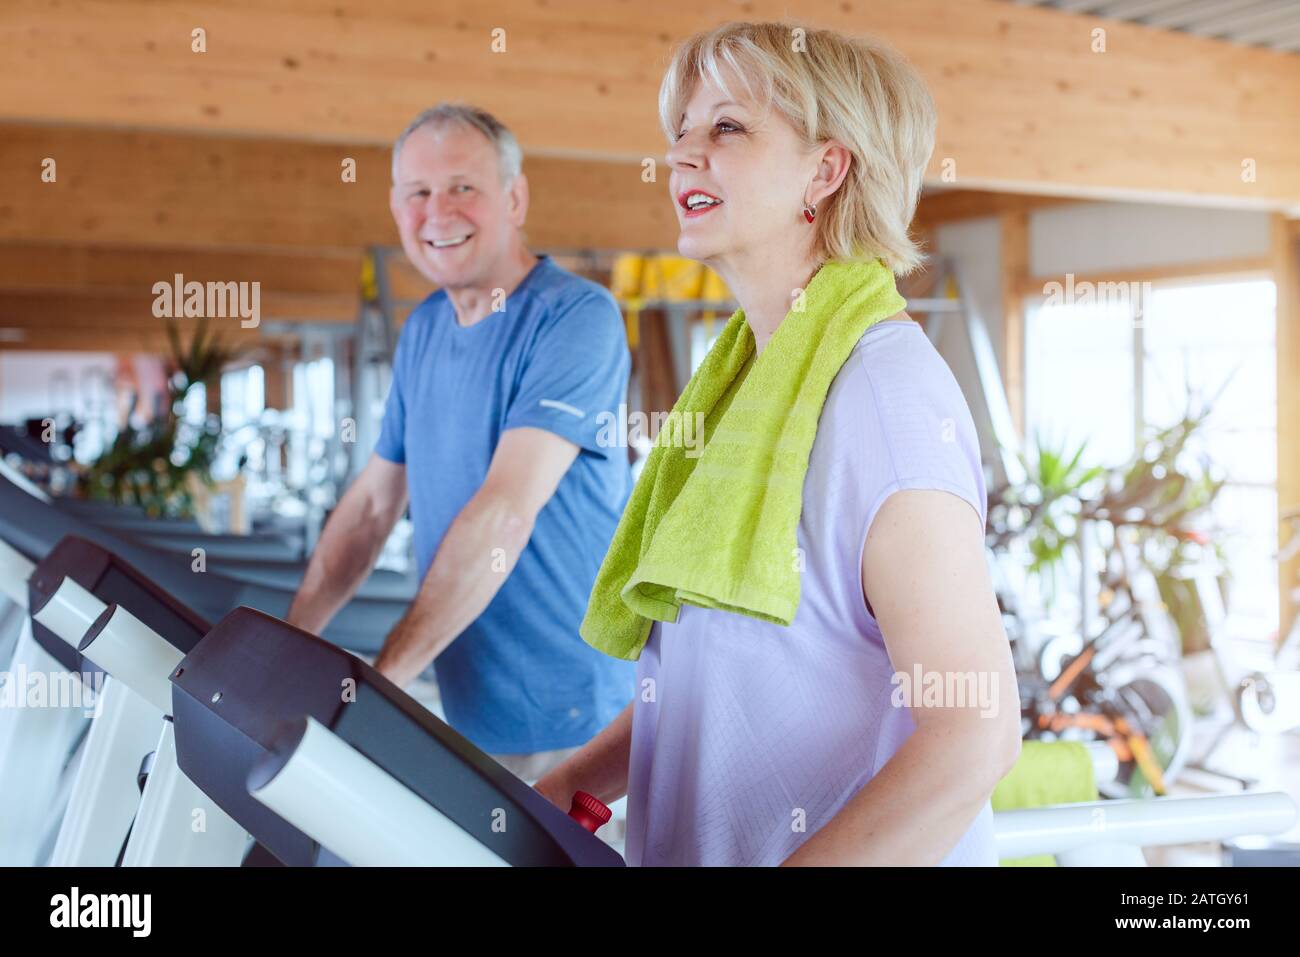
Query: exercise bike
[[1122, 686]]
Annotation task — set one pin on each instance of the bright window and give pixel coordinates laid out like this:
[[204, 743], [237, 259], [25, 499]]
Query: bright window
[[1103, 371]]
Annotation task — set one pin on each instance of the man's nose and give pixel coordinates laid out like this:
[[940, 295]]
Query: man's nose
[[438, 204]]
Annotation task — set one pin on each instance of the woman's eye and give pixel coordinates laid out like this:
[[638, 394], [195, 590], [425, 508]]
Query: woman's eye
[[722, 126]]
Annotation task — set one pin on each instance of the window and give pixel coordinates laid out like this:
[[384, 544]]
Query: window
[[243, 396], [194, 408], [1079, 379], [1103, 371], [312, 421], [1218, 340]]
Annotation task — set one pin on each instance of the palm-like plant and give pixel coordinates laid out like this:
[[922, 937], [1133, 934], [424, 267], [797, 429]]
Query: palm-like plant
[[1156, 496], [149, 466]]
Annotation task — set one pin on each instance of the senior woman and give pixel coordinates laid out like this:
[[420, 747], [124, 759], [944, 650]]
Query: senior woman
[[823, 677]]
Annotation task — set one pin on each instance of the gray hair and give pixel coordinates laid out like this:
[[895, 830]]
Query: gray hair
[[510, 157]]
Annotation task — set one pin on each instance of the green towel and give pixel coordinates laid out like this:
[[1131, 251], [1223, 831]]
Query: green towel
[[1047, 773], [718, 529]]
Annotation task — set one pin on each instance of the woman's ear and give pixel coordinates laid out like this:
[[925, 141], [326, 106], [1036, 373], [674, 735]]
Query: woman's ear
[[832, 168]]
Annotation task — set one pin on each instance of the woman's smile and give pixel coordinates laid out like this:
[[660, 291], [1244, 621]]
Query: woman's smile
[[696, 202]]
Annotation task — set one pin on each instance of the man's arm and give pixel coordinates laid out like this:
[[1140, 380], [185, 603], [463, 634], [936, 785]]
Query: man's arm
[[930, 588], [479, 550], [350, 543]]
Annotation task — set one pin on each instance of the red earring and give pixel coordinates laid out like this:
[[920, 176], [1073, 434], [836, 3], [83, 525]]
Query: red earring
[[810, 212]]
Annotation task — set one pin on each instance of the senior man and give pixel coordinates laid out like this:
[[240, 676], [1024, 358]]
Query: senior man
[[491, 432]]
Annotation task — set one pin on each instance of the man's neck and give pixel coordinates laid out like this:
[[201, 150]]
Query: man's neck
[[475, 303]]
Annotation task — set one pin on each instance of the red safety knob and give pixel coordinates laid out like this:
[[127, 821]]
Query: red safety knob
[[588, 811]]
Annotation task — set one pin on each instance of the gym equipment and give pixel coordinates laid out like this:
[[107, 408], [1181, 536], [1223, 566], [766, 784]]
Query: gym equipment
[[329, 763], [1263, 700], [181, 539], [104, 791], [264, 707], [33, 527], [68, 590], [175, 824], [39, 747], [376, 767], [1113, 833], [1121, 686], [15, 569]]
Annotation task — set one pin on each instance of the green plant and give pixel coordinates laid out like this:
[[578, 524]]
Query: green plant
[[1059, 482], [150, 466], [1157, 498]]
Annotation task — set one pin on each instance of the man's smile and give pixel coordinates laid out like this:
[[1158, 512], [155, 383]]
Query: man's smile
[[449, 242]]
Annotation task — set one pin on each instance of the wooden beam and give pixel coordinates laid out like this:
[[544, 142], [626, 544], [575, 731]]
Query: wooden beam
[[1014, 269], [64, 267], [115, 271], [1203, 270], [70, 311], [19, 339], [222, 193], [1029, 98], [1285, 256], [936, 209]]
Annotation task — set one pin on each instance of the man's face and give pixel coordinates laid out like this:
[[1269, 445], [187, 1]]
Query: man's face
[[456, 218]]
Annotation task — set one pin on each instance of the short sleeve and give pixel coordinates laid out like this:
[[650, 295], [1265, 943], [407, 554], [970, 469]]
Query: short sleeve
[[576, 375], [392, 432], [919, 433]]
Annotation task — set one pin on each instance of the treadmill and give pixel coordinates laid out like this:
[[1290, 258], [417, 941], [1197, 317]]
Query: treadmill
[[33, 527], [324, 761]]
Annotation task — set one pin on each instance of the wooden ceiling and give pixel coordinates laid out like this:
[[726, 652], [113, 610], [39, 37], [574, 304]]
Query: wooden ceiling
[[225, 164]]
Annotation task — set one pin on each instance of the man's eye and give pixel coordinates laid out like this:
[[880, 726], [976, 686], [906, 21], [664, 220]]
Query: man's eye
[[420, 193], [462, 188], [725, 127]]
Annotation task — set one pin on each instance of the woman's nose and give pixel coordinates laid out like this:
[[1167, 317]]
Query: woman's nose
[[685, 153]]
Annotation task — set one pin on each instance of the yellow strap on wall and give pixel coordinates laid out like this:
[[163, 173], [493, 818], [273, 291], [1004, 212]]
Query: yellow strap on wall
[[369, 285]]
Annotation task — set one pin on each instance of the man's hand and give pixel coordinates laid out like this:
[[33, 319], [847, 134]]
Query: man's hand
[[350, 543], [479, 551]]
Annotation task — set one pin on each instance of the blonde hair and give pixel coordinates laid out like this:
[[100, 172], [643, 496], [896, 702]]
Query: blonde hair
[[829, 86]]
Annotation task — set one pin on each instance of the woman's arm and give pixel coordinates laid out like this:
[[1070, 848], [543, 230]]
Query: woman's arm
[[599, 768], [924, 570]]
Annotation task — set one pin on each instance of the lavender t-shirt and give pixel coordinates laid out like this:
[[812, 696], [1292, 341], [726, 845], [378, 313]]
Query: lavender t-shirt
[[747, 736]]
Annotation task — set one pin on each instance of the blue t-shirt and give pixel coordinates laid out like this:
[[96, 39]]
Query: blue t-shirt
[[520, 679]]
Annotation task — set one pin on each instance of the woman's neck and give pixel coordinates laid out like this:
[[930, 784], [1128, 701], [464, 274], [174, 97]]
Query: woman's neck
[[766, 288]]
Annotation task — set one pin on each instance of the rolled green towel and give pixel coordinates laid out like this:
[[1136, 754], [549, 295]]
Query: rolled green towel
[[718, 529], [1046, 773]]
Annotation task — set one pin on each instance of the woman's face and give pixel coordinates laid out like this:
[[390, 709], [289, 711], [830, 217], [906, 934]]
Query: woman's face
[[751, 171]]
